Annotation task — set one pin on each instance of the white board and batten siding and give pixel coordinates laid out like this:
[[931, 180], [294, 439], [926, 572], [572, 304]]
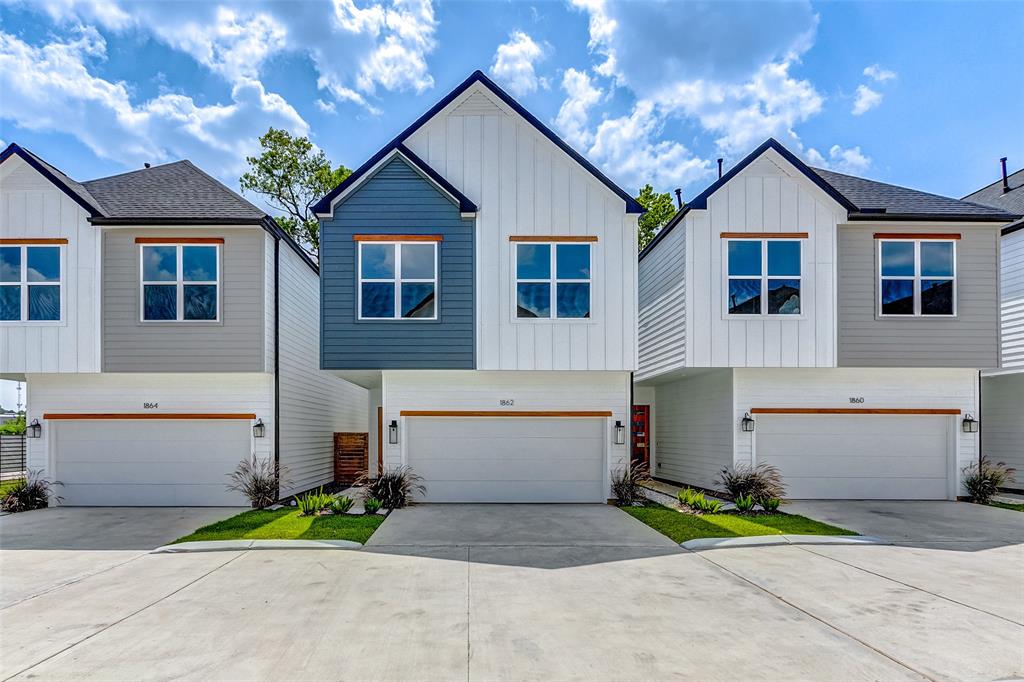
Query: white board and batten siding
[[662, 295], [523, 184], [491, 391], [314, 404], [1011, 298], [189, 393], [915, 389], [32, 207], [767, 196]]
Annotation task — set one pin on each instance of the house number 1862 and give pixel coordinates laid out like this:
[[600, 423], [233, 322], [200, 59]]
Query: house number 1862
[[506, 402]]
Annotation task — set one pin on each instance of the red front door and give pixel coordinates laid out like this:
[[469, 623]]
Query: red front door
[[642, 434]]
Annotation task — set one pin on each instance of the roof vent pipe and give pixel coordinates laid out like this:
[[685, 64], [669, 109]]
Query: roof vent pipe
[[679, 196], [146, 164], [1006, 182], [719, 168]]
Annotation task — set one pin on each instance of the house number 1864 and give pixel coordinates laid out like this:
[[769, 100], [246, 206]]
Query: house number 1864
[[150, 406]]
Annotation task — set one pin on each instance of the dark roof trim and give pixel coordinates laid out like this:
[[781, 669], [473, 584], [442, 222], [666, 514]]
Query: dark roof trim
[[632, 206], [701, 200], [14, 149], [1013, 227], [931, 217], [663, 232], [323, 206], [271, 226], [121, 220]]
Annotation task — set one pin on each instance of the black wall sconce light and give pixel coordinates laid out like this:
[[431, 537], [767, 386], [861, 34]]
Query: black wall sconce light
[[970, 424], [258, 429], [620, 433], [34, 430], [748, 423], [393, 432]]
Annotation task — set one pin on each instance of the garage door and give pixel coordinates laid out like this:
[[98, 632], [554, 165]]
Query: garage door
[[149, 463], [508, 459], [858, 456]]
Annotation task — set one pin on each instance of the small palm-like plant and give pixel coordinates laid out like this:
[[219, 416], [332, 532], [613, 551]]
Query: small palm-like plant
[[394, 488], [984, 479], [771, 504], [259, 480], [371, 505], [686, 496], [706, 505], [744, 503], [32, 492], [341, 505], [628, 485], [312, 503]]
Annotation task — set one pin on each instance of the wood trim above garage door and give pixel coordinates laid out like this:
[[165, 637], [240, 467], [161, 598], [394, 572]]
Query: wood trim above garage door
[[850, 410], [154, 415], [502, 413]]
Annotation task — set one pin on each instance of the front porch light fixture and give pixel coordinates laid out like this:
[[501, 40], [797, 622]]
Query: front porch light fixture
[[970, 424], [258, 429], [34, 430], [393, 432], [748, 423], [620, 433]]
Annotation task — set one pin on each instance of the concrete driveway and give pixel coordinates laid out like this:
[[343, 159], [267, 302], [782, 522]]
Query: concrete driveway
[[554, 593]]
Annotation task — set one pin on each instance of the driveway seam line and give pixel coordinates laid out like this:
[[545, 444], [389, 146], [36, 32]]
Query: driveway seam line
[[73, 581], [817, 618], [908, 585], [469, 567], [124, 618]]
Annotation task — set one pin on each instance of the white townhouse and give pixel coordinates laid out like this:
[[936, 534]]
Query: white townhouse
[[166, 329], [478, 277], [1002, 388], [826, 324]]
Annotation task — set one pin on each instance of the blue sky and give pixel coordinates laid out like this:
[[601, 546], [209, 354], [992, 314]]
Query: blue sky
[[922, 94]]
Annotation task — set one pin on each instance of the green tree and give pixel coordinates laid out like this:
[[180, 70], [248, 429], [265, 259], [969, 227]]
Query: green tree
[[291, 174], [659, 209]]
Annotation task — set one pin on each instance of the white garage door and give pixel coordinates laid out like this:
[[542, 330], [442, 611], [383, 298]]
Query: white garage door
[[508, 459], [858, 456], [149, 463]]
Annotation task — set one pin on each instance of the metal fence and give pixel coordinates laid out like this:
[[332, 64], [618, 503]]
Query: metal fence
[[12, 456]]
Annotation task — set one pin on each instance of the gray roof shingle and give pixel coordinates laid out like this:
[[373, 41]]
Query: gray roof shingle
[[871, 196], [72, 185], [993, 195], [173, 191]]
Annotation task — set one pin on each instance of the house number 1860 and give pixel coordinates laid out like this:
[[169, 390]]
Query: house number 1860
[[857, 400]]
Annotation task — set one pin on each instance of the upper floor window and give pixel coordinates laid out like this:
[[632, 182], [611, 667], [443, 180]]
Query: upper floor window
[[180, 282], [30, 283], [553, 280], [763, 277], [398, 280], [917, 277]]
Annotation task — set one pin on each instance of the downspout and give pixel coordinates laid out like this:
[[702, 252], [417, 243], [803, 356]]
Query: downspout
[[277, 364], [981, 427]]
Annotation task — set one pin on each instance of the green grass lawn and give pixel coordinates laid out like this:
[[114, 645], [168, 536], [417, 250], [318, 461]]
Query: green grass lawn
[[682, 527], [1008, 505], [6, 486], [286, 524]]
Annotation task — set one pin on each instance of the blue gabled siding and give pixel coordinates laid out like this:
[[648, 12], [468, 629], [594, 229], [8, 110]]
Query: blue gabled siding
[[396, 200]]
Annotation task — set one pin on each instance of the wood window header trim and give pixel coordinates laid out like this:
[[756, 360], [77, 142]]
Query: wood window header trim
[[851, 410], [504, 413], [397, 238], [179, 240], [917, 235], [148, 415], [23, 242], [765, 235], [550, 238]]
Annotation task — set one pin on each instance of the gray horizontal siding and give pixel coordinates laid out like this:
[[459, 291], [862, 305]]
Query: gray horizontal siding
[[662, 294], [1002, 421], [968, 340], [397, 200], [236, 344]]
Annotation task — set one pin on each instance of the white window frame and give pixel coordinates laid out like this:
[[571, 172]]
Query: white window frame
[[397, 281], [915, 278], [553, 281], [24, 283], [179, 283], [764, 277]]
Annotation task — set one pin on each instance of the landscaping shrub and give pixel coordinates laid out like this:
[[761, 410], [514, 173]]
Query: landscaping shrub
[[313, 503], [984, 478], [761, 482], [371, 505], [341, 505], [744, 503], [29, 493], [706, 505], [628, 485], [394, 488], [257, 479], [686, 496], [771, 504]]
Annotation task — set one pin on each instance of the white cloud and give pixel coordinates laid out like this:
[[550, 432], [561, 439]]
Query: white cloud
[[326, 107], [629, 147], [51, 88], [574, 113], [355, 50], [843, 160], [514, 63], [865, 100], [877, 73]]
